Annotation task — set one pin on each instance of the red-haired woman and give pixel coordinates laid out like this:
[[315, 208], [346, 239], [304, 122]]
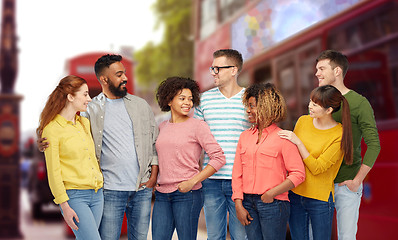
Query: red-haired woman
[[74, 175]]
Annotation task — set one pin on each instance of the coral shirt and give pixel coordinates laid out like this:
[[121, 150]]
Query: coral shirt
[[260, 167]]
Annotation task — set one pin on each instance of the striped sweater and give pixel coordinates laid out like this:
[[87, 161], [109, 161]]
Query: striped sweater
[[226, 119]]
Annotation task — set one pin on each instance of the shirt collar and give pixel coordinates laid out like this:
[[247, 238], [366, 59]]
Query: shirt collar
[[101, 97], [63, 122], [268, 129]]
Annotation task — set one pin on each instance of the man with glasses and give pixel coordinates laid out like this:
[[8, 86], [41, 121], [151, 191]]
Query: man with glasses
[[222, 109]]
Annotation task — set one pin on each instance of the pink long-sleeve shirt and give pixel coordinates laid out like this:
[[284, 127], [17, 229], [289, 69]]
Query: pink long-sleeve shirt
[[260, 167], [179, 146]]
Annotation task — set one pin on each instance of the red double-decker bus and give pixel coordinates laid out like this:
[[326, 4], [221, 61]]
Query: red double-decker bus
[[280, 40]]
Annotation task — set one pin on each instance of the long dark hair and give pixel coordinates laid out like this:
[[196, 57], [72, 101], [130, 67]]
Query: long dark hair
[[329, 96]]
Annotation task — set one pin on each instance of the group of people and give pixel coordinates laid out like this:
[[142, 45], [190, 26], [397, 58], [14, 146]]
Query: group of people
[[105, 156]]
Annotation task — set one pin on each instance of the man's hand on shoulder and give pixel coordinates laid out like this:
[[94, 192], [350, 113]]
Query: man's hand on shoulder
[[42, 145]]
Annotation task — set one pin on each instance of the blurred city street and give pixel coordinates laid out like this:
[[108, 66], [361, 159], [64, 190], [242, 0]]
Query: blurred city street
[[50, 225]]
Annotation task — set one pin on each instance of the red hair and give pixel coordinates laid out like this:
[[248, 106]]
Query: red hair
[[57, 100]]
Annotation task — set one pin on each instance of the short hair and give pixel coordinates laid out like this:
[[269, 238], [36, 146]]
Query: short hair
[[232, 55], [104, 62], [271, 106], [172, 86], [337, 59]]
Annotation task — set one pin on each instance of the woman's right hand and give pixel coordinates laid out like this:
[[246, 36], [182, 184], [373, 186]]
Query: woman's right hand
[[289, 135], [69, 214], [241, 213]]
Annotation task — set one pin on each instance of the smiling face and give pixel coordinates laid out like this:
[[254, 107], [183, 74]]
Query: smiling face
[[80, 99], [181, 103], [252, 110], [317, 111], [116, 79], [325, 73]]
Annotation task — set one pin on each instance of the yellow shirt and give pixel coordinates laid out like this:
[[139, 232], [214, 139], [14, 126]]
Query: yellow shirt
[[324, 161], [70, 157]]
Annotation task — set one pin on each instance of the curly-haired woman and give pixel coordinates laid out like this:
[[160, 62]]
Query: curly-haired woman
[[179, 145], [266, 167]]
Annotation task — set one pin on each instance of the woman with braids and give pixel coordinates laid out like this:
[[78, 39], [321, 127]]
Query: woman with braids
[[73, 171], [266, 167], [322, 143], [179, 145]]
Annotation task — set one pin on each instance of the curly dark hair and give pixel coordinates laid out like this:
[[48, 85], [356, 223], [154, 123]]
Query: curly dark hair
[[170, 87], [105, 61], [271, 106]]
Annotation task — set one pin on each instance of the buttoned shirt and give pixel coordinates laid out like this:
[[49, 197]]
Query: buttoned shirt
[[145, 130], [259, 167], [70, 157]]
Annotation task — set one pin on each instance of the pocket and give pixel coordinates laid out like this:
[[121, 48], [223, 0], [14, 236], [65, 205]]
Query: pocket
[[267, 159], [71, 192], [243, 156], [358, 192]]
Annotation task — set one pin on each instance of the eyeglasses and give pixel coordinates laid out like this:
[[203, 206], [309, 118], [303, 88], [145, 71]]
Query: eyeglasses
[[216, 70]]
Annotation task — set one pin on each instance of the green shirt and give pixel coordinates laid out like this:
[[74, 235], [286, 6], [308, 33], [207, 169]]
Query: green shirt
[[363, 125]]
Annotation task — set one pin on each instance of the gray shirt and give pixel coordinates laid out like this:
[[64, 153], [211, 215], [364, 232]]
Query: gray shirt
[[145, 132], [119, 161]]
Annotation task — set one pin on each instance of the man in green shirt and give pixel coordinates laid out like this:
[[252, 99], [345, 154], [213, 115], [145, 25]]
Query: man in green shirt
[[331, 69]]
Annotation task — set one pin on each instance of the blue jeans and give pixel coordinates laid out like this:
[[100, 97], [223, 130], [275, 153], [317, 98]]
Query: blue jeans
[[88, 206], [136, 205], [303, 209], [347, 211], [178, 211], [269, 219], [217, 195]]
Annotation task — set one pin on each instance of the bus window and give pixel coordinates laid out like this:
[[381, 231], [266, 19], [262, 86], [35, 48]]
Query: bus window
[[208, 17], [307, 80], [263, 74], [286, 82], [229, 7]]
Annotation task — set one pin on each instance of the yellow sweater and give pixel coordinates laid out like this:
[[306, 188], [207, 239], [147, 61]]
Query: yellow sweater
[[324, 161], [70, 158]]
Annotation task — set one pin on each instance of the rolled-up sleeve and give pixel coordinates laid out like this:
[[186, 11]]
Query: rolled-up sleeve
[[293, 163]]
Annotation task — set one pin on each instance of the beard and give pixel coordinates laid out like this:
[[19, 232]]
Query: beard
[[118, 91]]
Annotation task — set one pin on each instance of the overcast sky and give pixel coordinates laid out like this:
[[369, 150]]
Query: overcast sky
[[52, 31]]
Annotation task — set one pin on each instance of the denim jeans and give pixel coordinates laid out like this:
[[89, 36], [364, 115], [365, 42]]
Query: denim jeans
[[347, 211], [269, 219], [303, 209], [217, 195], [178, 211], [136, 205], [88, 206]]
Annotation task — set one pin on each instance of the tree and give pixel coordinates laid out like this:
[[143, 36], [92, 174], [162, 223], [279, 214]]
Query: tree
[[173, 56]]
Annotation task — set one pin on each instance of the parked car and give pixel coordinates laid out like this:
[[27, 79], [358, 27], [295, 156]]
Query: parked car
[[38, 189]]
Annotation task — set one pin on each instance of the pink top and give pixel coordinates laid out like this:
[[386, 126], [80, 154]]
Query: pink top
[[260, 167], [179, 146]]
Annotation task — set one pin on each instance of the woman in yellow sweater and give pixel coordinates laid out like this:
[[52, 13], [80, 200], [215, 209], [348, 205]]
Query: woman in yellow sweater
[[322, 143], [74, 175]]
